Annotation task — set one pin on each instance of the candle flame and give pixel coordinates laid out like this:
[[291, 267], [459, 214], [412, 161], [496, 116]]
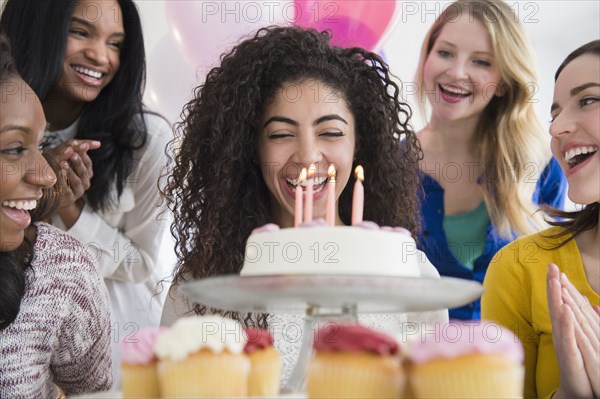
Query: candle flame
[[331, 172], [302, 176], [359, 173], [311, 170]]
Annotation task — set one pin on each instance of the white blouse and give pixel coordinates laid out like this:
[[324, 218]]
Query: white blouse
[[127, 241]]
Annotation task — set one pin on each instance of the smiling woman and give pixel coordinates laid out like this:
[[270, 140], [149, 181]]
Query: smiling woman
[[317, 127], [50, 290], [86, 62], [25, 172], [281, 100], [557, 271], [486, 164], [92, 56]]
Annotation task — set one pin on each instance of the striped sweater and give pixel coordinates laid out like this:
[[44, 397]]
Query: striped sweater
[[62, 332]]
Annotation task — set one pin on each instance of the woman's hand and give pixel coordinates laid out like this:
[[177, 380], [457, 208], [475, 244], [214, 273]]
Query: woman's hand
[[576, 337], [76, 165]]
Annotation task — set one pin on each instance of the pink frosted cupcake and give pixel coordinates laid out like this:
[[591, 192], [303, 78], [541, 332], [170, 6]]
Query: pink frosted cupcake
[[265, 363], [353, 361], [467, 360], [203, 357], [138, 365]]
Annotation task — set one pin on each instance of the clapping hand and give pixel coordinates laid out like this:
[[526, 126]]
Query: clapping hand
[[576, 337], [76, 165]]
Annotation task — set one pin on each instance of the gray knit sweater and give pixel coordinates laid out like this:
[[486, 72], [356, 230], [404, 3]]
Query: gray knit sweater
[[62, 332]]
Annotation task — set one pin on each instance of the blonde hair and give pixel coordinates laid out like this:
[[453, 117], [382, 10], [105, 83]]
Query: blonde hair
[[509, 140]]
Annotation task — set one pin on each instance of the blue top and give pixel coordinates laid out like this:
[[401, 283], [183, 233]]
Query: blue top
[[550, 190]]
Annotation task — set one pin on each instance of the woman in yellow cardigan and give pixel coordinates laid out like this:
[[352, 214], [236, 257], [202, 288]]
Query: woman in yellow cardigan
[[554, 310]]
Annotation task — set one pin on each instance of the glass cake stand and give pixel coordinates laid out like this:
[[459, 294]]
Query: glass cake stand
[[326, 298]]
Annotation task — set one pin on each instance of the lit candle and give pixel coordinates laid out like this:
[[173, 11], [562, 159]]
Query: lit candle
[[308, 203], [330, 210], [298, 204], [358, 199]]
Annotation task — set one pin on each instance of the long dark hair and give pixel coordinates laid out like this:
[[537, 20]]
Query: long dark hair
[[13, 264], [38, 32], [216, 191], [575, 222]]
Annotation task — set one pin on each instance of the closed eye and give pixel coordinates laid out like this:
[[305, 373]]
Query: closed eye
[[332, 134], [275, 136]]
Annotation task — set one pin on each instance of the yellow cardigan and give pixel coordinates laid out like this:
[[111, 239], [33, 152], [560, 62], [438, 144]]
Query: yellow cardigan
[[515, 297]]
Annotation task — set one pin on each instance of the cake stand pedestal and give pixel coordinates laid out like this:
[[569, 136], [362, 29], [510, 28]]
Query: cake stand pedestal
[[327, 298]]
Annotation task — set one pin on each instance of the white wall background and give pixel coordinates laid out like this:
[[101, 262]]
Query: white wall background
[[554, 27]]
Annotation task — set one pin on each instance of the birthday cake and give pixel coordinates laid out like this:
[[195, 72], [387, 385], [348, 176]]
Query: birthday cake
[[365, 249]]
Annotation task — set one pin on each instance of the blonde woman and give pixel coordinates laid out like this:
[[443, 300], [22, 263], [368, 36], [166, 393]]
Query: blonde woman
[[487, 163]]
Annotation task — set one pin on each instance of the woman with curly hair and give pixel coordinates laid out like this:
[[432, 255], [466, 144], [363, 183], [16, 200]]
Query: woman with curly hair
[[54, 309], [281, 100], [486, 164]]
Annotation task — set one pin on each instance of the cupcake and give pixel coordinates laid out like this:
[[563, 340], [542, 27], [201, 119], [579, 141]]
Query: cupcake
[[202, 357], [352, 361], [138, 365], [467, 360], [265, 364]]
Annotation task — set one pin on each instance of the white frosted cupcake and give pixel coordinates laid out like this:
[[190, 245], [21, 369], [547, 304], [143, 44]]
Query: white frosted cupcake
[[203, 357]]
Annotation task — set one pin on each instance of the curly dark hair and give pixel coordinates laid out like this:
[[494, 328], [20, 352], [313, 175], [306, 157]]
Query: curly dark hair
[[216, 191]]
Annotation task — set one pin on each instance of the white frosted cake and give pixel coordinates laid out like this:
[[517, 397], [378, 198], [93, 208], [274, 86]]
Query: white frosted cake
[[342, 250]]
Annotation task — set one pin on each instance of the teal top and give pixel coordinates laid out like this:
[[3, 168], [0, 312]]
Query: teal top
[[467, 234]]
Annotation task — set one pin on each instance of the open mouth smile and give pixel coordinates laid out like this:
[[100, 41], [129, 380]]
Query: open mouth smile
[[576, 156], [318, 183], [89, 76], [453, 93]]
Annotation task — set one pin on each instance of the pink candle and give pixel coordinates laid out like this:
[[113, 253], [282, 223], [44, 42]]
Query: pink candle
[[358, 199], [308, 203], [298, 199], [330, 209]]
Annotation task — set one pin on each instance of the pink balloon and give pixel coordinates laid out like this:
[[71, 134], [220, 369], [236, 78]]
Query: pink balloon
[[350, 32], [203, 30], [361, 23]]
